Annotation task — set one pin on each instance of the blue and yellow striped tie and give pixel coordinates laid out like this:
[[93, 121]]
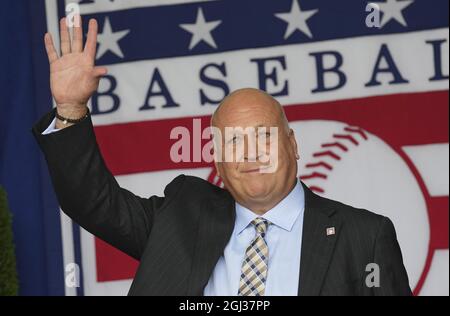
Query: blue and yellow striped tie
[[254, 267]]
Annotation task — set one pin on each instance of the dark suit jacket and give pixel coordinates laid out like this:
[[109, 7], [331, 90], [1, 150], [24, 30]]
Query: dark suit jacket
[[179, 238]]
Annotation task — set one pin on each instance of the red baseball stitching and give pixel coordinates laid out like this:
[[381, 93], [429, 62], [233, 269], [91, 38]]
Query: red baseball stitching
[[349, 135]]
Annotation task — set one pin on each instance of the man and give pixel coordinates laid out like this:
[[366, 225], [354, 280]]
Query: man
[[267, 234]]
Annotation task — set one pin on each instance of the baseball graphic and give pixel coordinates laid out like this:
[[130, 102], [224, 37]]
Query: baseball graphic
[[355, 167], [351, 165]]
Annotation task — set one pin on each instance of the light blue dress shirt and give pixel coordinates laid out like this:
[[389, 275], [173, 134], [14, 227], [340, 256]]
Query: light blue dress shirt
[[51, 128], [284, 239]]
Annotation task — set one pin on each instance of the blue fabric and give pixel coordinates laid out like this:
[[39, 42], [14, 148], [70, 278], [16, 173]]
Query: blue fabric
[[24, 96]]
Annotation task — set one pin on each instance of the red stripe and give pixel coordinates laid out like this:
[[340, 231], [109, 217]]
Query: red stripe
[[399, 119], [438, 211], [112, 264], [402, 119]]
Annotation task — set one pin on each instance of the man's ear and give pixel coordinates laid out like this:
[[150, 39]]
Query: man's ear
[[294, 143]]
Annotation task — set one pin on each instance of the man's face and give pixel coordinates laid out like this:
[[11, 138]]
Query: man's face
[[258, 176]]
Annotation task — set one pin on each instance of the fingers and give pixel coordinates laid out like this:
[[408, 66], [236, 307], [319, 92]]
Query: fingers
[[100, 71], [91, 40], [65, 37], [50, 48], [77, 44]]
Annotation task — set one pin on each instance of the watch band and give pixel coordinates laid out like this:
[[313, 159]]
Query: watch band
[[66, 120]]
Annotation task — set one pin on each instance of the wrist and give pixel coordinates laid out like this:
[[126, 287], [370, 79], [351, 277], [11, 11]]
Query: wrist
[[66, 117]]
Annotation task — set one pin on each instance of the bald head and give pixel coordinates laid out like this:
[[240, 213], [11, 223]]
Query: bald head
[[247, 100]]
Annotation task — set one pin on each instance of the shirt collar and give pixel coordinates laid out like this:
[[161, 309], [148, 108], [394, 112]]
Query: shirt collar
[[283, 215]]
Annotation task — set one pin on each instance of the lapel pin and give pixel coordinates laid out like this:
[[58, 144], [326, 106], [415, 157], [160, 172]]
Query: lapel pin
[[331, 231]]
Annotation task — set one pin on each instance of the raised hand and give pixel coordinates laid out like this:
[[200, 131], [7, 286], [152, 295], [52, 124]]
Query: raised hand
[[73, 76]]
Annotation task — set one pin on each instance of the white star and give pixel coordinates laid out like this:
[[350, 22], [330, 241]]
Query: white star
[[296, 20], [201, 30], [392, 9], [108, 40]]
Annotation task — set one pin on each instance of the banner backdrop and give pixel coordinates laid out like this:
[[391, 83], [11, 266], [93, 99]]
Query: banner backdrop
[[364, 86]]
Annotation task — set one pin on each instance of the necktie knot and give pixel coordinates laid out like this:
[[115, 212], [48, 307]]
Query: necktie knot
[[261, 225]]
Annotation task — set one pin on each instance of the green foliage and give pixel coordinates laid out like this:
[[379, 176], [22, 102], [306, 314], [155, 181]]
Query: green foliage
[[8, 274]]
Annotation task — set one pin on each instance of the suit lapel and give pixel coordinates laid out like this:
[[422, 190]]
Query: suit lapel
[[317, 246], [215, 227]]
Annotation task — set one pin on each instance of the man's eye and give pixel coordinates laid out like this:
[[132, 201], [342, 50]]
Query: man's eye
[[234, 140], [266, 135]]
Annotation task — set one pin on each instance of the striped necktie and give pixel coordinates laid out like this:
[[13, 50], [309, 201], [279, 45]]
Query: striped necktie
[[254, 267]]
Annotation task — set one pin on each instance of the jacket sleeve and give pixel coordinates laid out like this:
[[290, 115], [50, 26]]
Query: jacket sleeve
[[89, 194], [388, 256]]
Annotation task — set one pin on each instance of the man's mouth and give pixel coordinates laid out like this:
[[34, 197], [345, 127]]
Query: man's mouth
[[256, 169]]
